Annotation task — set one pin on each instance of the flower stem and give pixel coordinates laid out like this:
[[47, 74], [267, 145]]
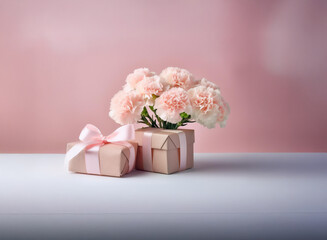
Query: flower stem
[[148, 119], [160, 121], [151, 121]]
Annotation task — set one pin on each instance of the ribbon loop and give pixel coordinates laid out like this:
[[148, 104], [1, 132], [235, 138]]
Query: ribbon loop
[[90, 133], [124, 133]]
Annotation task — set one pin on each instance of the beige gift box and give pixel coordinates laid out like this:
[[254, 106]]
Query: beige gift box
[[113, 159], [165, 145]]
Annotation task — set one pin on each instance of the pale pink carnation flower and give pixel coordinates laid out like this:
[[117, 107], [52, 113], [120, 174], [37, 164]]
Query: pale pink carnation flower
[[149, 86], [204, 82], [172, 103], [178, 77], [126, 107], [134, 78], [224, 111], [204, 101]]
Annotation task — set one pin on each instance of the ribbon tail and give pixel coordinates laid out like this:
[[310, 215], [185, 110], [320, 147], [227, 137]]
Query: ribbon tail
[[73, 152]]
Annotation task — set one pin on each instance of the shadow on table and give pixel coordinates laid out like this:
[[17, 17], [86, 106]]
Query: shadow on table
[[136, 173], [281, 164]]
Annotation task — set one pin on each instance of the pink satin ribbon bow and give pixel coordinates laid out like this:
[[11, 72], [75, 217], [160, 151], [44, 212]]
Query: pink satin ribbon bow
[[92, 139]]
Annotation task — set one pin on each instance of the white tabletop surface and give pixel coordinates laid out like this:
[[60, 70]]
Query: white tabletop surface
[[225, 196]]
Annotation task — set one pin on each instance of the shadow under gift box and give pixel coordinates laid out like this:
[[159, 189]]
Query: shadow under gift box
[[165, 150], [113, 159]]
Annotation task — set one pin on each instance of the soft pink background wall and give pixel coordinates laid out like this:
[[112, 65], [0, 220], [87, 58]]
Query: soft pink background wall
[[61, 61]]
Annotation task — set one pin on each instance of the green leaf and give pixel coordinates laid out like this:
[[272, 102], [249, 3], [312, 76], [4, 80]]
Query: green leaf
[[154, 96], [184, 115], [144, 112]]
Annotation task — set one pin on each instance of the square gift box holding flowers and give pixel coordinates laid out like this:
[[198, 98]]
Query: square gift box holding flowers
[[165, 103]]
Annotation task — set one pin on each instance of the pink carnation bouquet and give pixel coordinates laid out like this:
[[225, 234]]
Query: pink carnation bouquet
[[169, 100]]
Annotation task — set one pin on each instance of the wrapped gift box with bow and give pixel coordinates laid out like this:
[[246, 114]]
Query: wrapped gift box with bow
[[164, 151], [113, 155]]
